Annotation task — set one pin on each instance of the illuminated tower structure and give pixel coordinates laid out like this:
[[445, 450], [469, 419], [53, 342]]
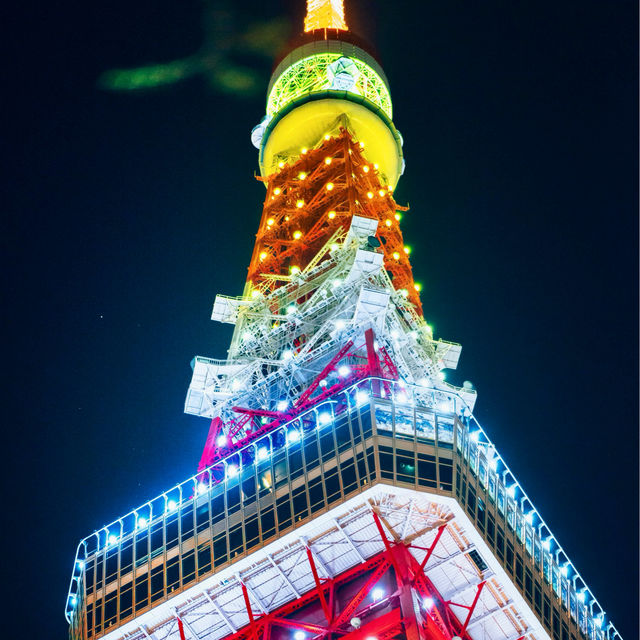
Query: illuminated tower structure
[[345, 489]]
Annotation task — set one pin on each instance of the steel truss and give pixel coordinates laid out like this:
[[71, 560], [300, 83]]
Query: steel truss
[[342, 607]]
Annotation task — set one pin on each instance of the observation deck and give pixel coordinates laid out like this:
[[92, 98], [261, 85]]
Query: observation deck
[[316, 489]]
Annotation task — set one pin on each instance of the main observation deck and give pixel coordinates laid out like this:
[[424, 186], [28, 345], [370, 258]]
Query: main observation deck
[[315, 483]]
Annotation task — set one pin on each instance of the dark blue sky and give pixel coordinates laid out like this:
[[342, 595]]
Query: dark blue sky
[[128, 212]]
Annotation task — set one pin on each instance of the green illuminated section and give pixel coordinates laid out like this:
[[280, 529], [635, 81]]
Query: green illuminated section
[[327, 71]]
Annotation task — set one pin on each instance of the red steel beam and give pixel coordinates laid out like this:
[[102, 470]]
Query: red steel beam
[[423, 564], [472, 607], [350, 609], [319, 587], [252, 623], [180, 629]]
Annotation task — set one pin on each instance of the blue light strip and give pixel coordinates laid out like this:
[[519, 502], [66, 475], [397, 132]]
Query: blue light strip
[[440, 401]]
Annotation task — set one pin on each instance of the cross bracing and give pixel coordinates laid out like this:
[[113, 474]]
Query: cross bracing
[[274, 356], [278, 576]]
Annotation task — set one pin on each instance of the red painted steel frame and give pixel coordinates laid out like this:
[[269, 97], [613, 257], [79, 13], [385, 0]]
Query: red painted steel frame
[[393, 616], [378, 363]]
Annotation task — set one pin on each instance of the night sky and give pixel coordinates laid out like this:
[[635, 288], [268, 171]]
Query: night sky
[[129, 211]]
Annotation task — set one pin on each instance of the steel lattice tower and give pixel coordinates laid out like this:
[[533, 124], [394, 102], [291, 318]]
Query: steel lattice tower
[[345, 489]]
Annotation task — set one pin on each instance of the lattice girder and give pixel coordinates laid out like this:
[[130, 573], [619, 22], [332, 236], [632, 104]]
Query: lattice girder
[[314, 197]]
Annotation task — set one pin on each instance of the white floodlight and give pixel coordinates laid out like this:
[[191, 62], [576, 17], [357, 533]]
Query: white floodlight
[[80, 564], [377, 594], [511, 491], [291, 309], [475, 436], [287, 354], [325, 418], [221, 440], [263, 453], [529, 517], [299, 635], [282, 405], [547, 543], [343, 371], [428, 603], [202, 488], [293, 435], [232, 471], [142, 522], [340, 324], [112, 539], [362, 397]]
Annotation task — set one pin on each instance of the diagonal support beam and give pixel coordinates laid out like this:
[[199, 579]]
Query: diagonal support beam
[[146, 633], [189, 628], [247, 603], [488, 614], [180, 629], [454, 555], [351, 608], [432, 546], [349, 540], [221, 613], [473, 584], [387, 545], [252, 593], [407, 522], [283, 576], [470, 608], [323, 601], [318, 559]]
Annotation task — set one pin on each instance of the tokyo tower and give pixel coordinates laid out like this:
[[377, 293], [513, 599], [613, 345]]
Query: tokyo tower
[[345, 489]]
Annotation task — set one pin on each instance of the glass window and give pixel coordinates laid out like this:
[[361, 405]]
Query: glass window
[[404, 422], [425, 426], [446, 474], [427, 470], [445, 433], [283, 509], [299, 499], [384, 420]]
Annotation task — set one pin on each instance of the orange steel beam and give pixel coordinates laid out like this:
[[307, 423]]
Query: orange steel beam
[[311, 198]]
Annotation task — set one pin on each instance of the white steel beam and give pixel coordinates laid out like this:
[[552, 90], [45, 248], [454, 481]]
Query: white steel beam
[[190, 629], [405, 529], [434, 565], [220, 612], [284, 577], [252, 593], [488, 614], [317, 558], [349, 540], [471, 585]]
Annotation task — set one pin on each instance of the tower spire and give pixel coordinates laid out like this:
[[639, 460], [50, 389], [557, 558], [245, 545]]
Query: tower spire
[[325, 14]]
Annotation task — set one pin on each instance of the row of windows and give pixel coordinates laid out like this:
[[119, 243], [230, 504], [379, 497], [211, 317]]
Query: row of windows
[[240, 514], [525, 563]]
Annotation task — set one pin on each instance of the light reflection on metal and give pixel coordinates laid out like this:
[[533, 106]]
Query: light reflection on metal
[[325, 14]]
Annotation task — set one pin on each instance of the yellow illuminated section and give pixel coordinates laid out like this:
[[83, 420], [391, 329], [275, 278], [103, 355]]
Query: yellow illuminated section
[[325, 14]]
